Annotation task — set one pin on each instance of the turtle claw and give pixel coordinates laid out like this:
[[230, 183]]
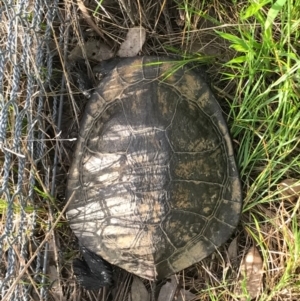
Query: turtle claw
[[92, 272]]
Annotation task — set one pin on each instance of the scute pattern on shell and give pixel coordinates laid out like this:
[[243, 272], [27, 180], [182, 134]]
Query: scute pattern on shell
[[154, 182]]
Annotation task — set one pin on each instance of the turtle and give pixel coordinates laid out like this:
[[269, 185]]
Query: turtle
[[153, 186]]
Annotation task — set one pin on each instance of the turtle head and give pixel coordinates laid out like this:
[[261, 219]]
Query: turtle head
[[92, 272], [79, 71]]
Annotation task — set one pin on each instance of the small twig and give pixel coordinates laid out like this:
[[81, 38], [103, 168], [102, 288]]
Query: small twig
[[90, 21], [128, 11], [39, 248], [12, 152]]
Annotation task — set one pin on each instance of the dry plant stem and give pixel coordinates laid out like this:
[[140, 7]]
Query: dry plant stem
[[128, 10], [162, 8], [56, 257], [140, 11], [223, 93], [167, 20], [66, 80], [124, 288], [7, 296], [89, 20], [32, 282]]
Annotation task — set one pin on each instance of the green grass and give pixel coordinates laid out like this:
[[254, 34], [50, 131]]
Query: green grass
[[264, 115], [265, 118]]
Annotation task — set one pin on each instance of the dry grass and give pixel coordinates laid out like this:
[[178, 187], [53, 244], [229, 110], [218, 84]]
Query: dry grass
[[263, 117]]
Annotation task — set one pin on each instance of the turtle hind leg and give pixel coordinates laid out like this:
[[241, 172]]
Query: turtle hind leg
[[92, 272]]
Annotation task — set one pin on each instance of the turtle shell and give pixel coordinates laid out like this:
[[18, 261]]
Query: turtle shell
[[154, 183]]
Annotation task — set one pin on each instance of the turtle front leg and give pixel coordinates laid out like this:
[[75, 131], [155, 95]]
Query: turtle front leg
[[93, 272]]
